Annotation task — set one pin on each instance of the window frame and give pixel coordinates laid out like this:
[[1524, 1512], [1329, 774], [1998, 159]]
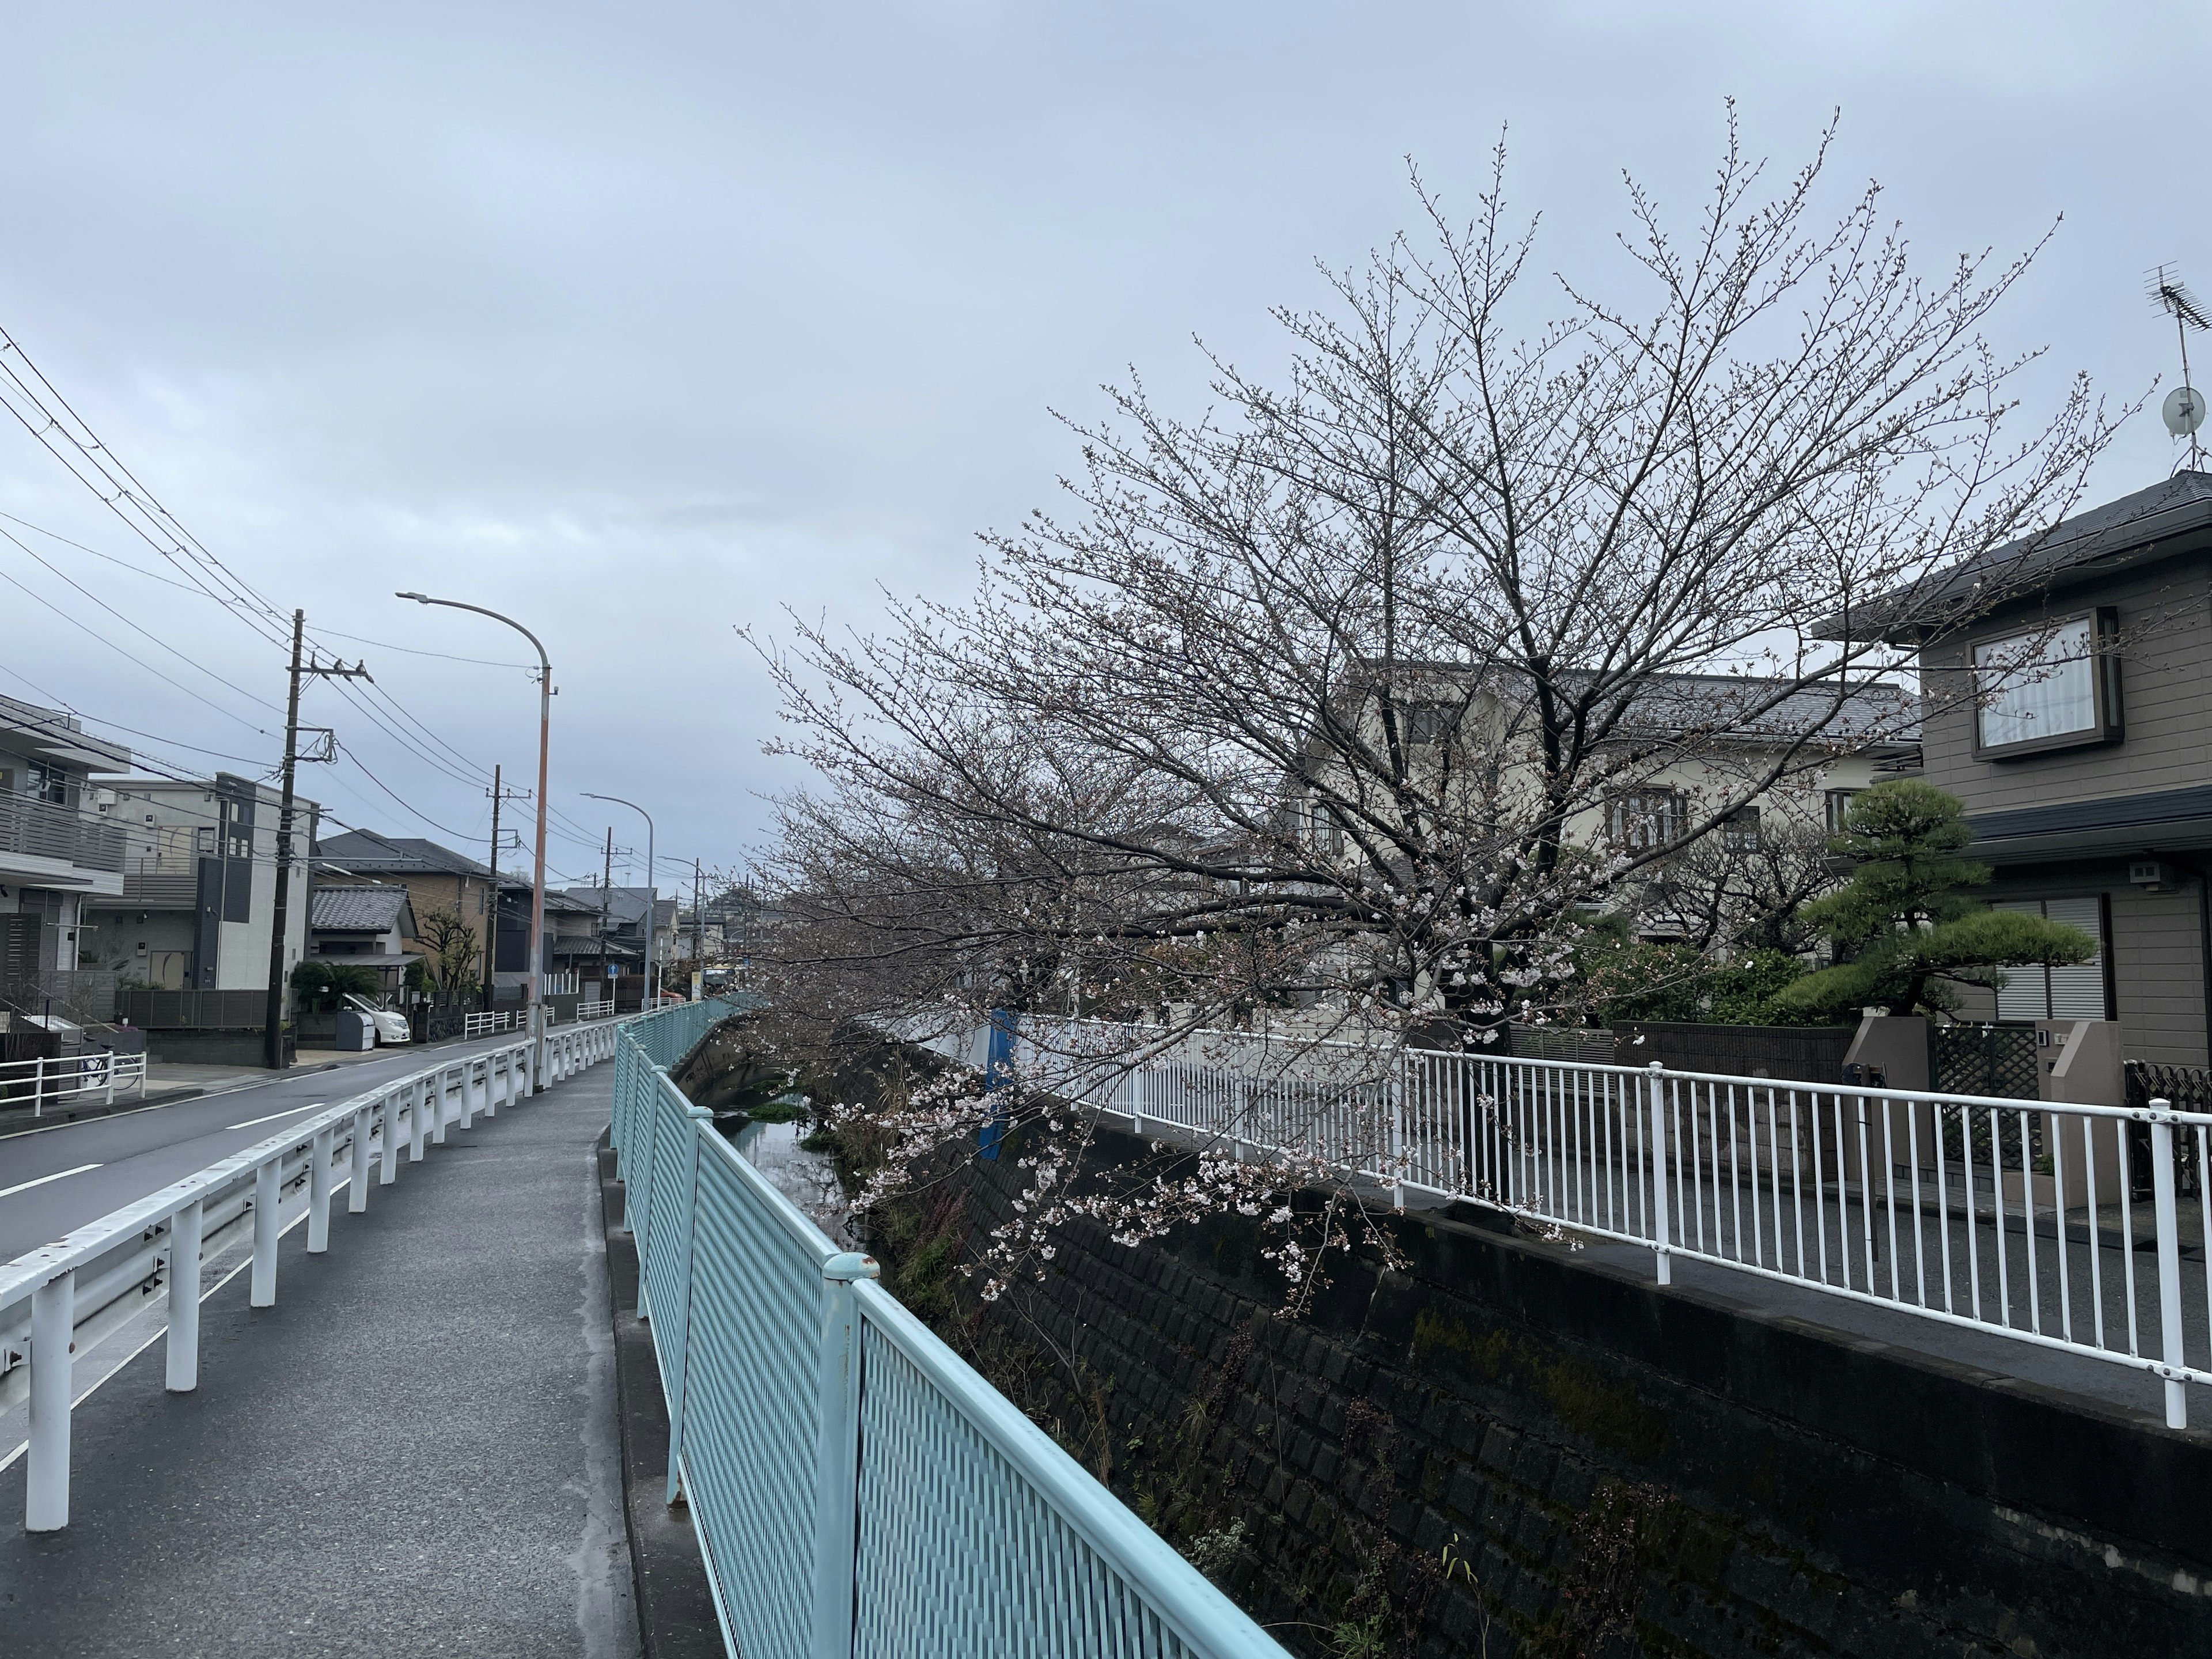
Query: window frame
[[1675, 817], [1428, 723], [1740, 830], [2105, 950], [2107, 726]]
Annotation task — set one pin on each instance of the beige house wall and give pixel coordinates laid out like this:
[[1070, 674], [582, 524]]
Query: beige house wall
[[2166, 704], [2154, 957]]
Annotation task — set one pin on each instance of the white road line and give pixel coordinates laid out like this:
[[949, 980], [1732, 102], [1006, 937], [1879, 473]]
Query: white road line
[[272, 1118], [26, 1185]]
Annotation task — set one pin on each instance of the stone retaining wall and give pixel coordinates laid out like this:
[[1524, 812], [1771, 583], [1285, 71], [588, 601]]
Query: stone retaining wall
[[1506, 1444]]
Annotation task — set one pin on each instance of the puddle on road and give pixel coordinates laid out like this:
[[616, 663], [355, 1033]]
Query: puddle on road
[[807, 1179]]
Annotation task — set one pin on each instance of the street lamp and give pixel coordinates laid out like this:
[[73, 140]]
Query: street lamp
[[649, 899], [536, 985]]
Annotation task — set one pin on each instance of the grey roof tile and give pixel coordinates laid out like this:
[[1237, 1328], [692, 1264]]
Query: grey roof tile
[[355, 909]]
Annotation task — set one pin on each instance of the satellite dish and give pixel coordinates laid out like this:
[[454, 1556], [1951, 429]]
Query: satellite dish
[[2184, 411]]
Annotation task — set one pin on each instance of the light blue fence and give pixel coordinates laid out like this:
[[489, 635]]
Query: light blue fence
[[858, 1491]]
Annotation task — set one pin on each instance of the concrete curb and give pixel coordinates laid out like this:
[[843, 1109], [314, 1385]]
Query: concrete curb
[[675, 1607]]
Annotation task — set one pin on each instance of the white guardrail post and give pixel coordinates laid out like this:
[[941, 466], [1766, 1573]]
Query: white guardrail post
[[2169, 1262], [319, 1190], [268, 1183], [184, 1344], [837, 1457], [53, 1324], [1664, 1267], [357, 1173]]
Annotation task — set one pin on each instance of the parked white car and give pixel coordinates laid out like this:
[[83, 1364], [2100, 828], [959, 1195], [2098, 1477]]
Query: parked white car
[[391, 1027]]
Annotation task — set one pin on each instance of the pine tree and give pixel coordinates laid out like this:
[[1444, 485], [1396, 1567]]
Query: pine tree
[[1906, 930]]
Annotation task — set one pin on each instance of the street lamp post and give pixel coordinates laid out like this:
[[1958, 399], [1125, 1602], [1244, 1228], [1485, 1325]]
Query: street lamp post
[[536, 985], [650, 901]]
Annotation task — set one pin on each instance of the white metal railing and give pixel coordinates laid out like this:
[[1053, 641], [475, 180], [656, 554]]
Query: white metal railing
[[857, 1492], [598, 1008], [70, 1080], [503, 1019], [2016, 1218], [58, 1301]]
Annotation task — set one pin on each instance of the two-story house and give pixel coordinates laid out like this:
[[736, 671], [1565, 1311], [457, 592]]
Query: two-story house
[[366, 926], [57, 853], [2068, 689], [436, 879], [1763, 760], [199, 895]]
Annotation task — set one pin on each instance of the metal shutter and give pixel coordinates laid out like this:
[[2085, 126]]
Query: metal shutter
[[2073, 992], [2026, 994], [2078, 992]]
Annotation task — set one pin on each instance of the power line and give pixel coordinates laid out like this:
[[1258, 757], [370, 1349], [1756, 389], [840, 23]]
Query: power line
[[179, 685], [63, 704], [412, 651], [172, 771], [407, 806], [189, 662], [154, 523], [139, 569]]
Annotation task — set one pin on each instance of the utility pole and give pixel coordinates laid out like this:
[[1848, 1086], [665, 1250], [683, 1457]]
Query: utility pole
[[652, 902], [606, 902], [272, 1035], [752, 905], [491, 934], [492, 927], [698, 927]]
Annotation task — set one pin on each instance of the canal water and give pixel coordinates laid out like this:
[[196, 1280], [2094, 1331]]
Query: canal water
[[807, 1179]]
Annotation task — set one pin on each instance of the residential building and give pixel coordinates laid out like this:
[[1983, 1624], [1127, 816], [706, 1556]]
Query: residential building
[[57, 853], [364, 926], [2071, 709], [571, 937], [726, 931], [619, 940], [199, 895], [436, 878], [1771, 760]]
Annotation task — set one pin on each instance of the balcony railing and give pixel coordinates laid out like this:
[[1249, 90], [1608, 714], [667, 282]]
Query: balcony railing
[[38, 829]]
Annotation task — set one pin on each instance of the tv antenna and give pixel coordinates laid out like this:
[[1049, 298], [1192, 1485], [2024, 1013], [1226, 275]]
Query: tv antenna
[[2184, 409]]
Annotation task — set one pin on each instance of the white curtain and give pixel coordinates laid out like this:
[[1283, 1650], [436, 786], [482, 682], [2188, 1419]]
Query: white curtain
[[2028, 693]]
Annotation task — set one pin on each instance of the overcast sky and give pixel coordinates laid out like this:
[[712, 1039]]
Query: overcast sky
[[641, 322]]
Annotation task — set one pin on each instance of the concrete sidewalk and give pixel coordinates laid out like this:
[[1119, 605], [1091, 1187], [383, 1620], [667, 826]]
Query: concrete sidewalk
[[414, 1452]]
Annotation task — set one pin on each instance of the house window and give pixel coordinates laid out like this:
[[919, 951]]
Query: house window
[[1317, 828], [1428, 722], [1740, 830], [2075, 992], [1840, 809], [46, 783], [2049, 688], [1642, 819]]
